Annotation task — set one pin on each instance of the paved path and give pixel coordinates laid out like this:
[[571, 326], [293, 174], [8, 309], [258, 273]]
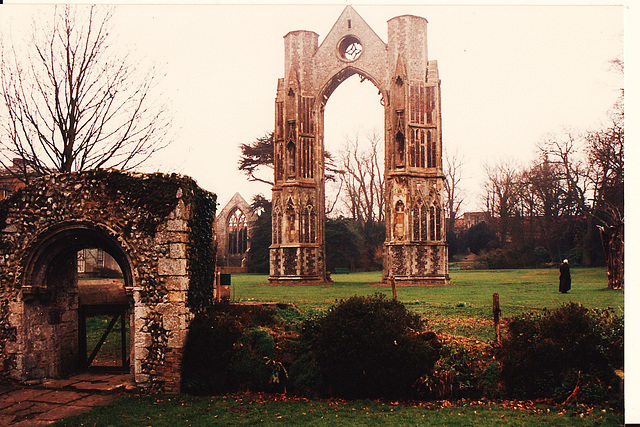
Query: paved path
[[52, 400]]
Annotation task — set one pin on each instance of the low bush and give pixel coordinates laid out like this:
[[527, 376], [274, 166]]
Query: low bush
[[511, 259], [365, 347], [225, 349], [463, 370], [249, 368], [570, 353]]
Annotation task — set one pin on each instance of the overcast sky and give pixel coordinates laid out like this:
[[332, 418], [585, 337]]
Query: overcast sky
[[510, 75]]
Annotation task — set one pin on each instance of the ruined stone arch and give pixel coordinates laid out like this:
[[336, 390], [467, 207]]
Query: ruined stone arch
[[67, 238], [409, 86], [336, 80], [160, 230]]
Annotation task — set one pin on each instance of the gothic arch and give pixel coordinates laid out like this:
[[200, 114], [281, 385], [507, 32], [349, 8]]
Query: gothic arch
[[62, 240], [147, 223], [409, 85], [339, 77]]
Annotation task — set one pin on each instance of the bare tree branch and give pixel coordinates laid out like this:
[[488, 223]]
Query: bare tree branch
[[71, 103]]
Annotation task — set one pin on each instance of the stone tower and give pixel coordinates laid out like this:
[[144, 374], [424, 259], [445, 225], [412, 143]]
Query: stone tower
[[415, 248]]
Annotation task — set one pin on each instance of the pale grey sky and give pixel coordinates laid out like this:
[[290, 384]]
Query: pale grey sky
[[510, 75]]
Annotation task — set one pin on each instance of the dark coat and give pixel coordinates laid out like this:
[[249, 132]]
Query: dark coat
[[565, 278]]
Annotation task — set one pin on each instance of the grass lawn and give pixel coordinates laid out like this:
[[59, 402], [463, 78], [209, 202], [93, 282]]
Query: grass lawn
[[463, 309], [174, 411]]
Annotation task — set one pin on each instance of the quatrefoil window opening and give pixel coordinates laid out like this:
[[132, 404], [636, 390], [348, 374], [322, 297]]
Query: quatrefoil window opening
[[350, 48]]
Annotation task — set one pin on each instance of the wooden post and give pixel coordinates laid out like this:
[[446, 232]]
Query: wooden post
[[393, 287], [496, 318], [123, 338], [217, 286]]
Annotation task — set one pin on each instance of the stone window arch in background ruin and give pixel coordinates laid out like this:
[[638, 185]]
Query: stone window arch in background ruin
[[237, 232]]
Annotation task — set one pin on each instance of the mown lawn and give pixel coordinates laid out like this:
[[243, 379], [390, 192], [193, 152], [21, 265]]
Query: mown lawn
[[462, 309]]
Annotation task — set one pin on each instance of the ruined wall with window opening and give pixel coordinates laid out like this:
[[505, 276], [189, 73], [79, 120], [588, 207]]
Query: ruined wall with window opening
[[409, 84]]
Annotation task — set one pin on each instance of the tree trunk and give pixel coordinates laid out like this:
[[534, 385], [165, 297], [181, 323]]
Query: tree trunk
[[613, 245]]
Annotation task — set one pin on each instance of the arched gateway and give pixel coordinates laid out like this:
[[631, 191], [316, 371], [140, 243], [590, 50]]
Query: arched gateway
[[158, 228], [415, 247]]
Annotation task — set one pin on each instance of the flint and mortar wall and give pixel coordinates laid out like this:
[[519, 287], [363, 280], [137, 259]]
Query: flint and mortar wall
[[151, 224]]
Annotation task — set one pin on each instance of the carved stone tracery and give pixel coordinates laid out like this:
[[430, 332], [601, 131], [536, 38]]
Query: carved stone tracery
[[409, 86]]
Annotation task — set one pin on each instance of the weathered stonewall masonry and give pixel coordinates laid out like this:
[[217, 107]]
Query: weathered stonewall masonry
[[415, 245], [159, 228]]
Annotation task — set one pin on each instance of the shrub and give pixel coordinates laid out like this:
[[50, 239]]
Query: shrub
[[249, 369], [569, 352], [218, 351], [542, 255], [478, 238], [366, 347], [512, 258], [463, 370]]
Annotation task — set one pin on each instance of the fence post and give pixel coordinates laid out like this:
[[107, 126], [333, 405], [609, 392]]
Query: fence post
[[393, 287], [496, 318]]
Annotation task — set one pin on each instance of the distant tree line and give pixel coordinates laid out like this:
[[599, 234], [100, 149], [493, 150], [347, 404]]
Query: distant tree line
[[568, 202]]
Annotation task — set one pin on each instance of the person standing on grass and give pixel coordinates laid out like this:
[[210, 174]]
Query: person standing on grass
[[565, 277]]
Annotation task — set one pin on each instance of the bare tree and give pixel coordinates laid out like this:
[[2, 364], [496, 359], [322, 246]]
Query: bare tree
[[567, 153], [605, 150], [544, 206], [73, 103], [502, 189], [453, 163], [363, 180]]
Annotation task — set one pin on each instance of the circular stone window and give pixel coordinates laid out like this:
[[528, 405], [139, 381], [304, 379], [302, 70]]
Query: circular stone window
[[350, 48]]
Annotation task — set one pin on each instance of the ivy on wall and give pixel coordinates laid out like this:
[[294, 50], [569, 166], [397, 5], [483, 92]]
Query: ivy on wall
[[202, 252], [155, 196]]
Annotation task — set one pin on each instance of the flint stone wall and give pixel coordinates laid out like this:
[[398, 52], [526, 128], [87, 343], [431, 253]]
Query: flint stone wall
[[159, 228]]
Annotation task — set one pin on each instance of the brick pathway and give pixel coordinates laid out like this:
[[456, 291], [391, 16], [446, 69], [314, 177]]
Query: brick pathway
[[53, 400]]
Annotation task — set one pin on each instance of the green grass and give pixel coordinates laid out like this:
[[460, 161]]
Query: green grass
[[250, 410], [464, 308], [110, 352]]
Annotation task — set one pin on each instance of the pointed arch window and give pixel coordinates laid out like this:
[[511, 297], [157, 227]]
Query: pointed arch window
[[417, 149], [431, 150], [419, 214], [237, 231], [277, 226], [308, 229], [435, 223]]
